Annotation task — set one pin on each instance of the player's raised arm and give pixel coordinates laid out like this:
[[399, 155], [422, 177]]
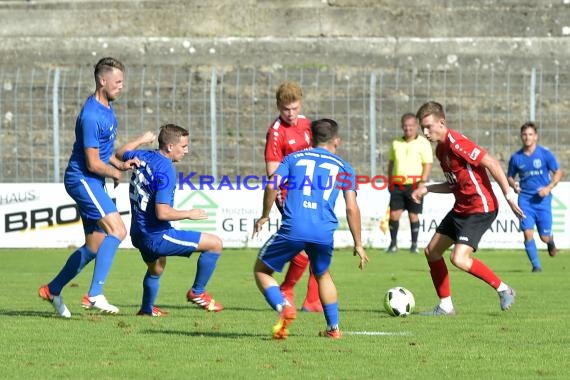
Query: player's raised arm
[[146, 138]]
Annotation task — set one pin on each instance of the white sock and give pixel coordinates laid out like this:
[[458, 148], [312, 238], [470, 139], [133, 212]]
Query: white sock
[[446, 304], [502, 286]]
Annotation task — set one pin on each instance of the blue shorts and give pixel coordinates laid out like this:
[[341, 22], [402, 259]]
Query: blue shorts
[[538, 211], [279, 250], [92, 200], [171, 242]]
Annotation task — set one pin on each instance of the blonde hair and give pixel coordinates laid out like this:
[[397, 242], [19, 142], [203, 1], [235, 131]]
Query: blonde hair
[[287, 93]]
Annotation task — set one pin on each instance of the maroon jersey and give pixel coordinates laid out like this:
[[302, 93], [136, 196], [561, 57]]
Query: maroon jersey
[[459, 158], [283, 139]]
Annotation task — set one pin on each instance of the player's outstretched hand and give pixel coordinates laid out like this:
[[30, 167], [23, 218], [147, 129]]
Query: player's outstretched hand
[[362, 255], [516, 209], [197, 214], [258, 225]]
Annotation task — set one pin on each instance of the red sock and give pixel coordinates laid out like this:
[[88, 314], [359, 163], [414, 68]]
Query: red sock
[[440, 277], [312, 289], [296, 269], [480, 270]]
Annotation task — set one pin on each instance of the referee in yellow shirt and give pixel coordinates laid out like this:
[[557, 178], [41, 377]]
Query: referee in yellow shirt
[[410, 157]]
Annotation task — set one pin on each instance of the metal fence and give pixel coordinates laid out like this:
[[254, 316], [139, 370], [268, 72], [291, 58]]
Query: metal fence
[[228, 111]]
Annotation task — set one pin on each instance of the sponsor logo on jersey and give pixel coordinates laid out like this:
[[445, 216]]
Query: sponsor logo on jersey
[[475, 153]]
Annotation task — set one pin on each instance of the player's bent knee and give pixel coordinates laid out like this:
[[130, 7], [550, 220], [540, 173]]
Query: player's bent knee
[[210, 242], [156, 271], [116, 228], [460, 262], [121, 234], [545, 239], [261, 268], [156, 268], [217, 244]]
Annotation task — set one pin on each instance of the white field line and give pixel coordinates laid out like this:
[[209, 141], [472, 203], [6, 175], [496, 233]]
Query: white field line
[[378, 333]]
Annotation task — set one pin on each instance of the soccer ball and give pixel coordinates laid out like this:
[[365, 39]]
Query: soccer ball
[[399, 302]]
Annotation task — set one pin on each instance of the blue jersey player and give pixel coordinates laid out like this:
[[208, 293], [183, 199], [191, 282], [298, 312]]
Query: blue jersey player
[[315, 177], [538, 172], [151, 192], [91, 162]]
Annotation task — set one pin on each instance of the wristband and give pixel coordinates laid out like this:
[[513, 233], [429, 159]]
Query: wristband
[[510, 195]]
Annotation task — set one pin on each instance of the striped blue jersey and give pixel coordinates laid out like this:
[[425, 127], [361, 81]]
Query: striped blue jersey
[[151, 183]]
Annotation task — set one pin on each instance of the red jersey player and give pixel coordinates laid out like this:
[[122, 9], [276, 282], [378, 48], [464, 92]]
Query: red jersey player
[[465, 166], [291, 132]]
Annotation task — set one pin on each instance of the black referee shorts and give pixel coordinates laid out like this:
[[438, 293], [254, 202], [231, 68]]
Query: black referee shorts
[[402, 200]]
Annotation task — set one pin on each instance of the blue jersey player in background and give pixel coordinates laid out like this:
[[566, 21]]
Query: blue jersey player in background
[[538, 172], [315, 179], [90, 163], [151, 192]]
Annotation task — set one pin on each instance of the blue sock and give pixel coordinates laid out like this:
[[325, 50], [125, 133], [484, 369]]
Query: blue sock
[[151, 284], [331, 315], [532, 253], [103, 263], [274, 297], [75, 263], [204, 270]]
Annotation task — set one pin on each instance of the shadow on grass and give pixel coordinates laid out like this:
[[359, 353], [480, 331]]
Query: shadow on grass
[[208, 334], [27, 313], [190, 306], [515, 270]]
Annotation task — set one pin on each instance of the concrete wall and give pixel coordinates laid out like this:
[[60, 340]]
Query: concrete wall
[[360, 33]]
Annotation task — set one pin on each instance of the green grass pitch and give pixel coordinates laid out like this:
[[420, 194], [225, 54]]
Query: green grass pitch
[[530, 341]]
